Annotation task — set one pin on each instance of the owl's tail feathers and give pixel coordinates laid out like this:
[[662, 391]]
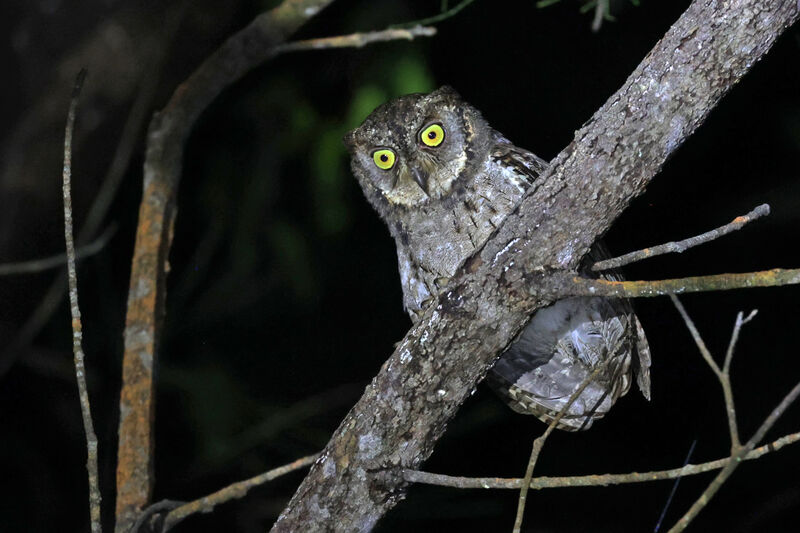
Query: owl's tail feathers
[[643, 351]]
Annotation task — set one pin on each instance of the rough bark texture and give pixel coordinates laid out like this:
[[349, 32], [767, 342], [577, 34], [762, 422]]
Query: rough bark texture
[[612, 158], [162, 169]]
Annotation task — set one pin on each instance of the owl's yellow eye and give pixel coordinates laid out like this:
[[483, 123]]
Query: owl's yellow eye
[[384, 158], [433, 135]]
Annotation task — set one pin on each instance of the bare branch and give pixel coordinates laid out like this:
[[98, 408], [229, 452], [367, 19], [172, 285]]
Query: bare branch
[[698, 340], [738, 452], [538, 443], [740, 321], [56, 261], [77, 335], [235, 491], [599, 480], [571, 285], [357, 40], [735, 460], [681, 246]]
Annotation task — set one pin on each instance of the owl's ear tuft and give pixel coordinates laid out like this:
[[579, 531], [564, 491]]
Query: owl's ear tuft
[[446, 90], [349, 140]]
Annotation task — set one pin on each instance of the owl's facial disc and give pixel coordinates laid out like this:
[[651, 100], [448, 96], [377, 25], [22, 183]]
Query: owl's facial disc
[[411, 151]]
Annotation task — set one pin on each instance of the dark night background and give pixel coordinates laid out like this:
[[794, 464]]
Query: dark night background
[[284, 297]]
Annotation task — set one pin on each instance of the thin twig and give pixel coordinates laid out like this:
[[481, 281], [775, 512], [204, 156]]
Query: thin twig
[[232, 492], [77, 337], [538, 443], [599, 480], [738, 452], [436, 18], [357, 40], [56, 261], [698, 340], [573, 285], [725, 379], [735, 460], [681, 246], [735, 337], [674, 490]]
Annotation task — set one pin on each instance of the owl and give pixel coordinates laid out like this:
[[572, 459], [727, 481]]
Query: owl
[[443, 180]]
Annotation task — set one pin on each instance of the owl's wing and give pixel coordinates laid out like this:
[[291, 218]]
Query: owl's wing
[[527, 165], [641, 362], [561, 346], [554, 355]]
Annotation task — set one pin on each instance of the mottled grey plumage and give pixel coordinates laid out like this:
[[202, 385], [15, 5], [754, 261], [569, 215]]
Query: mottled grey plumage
[[446, 181]]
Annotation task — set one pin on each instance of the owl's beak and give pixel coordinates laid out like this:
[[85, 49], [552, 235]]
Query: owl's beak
[[421, 179]]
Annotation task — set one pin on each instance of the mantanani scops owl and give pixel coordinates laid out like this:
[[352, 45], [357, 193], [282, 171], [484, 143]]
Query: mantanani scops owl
[[443, 180]]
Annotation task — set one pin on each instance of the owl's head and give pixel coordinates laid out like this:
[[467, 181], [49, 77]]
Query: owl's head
[[414, 150]]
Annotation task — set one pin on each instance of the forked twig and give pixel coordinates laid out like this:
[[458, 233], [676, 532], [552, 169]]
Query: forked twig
[[722, 374], [735, 460], [738, 452], [77, 335], [681, 246]]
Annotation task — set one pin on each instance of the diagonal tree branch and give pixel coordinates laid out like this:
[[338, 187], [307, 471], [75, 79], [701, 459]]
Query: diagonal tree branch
[[614, 155]]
